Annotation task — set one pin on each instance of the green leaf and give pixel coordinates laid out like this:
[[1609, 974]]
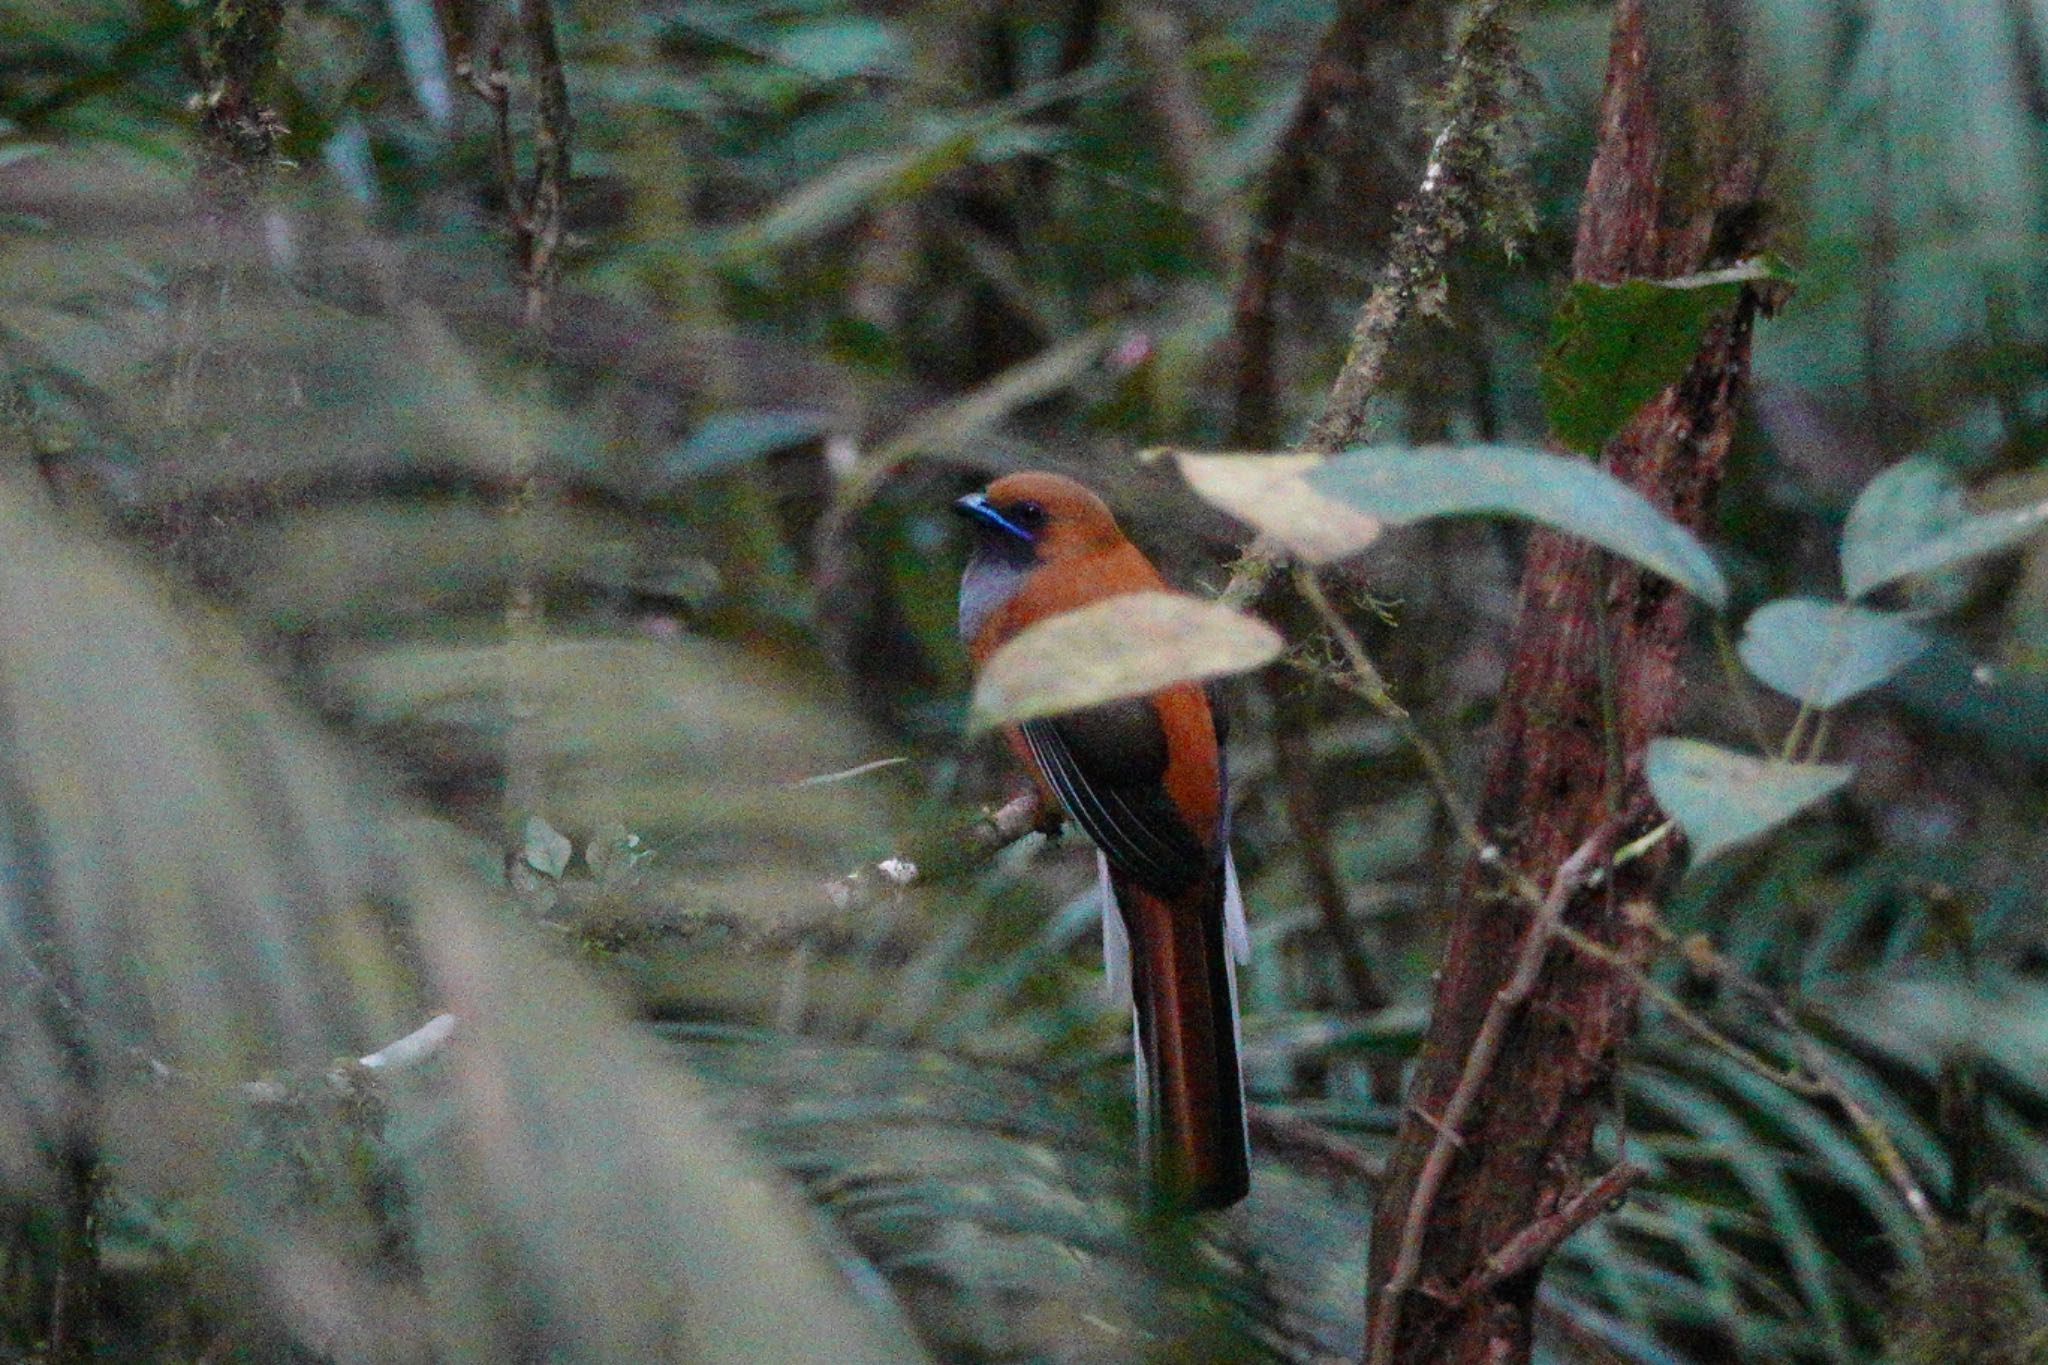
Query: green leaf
[[1123, 647], [1910, 522], [1613, 347], [1824, 653], [1399, 485], [547, 848], [833, 49], [725, 439], [1721, 798]]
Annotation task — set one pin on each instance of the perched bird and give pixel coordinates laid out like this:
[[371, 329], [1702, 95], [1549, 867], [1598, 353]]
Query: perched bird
[[1144, 778]]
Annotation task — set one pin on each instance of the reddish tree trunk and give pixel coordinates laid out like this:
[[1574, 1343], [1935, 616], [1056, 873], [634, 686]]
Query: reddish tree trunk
[[1674, 188]]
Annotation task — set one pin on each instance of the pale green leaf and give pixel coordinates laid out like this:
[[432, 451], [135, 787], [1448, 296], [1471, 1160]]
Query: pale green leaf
[[1399, 485], [1123, 647], [1721, 798], [1824, 653], [1935, 548], [1913, 502], [853, 187]]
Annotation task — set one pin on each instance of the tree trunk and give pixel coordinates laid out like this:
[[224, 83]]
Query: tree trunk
[[1674, 188]]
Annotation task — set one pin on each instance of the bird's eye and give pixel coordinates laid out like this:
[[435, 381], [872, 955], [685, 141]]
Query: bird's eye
[[1028, 515]]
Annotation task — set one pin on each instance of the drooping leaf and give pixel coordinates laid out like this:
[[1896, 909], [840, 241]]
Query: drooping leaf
[[1399, 485], [1123, 647], [725, 439], [1613, 347], [1824, 653], [1721, 798], [1272, 493]]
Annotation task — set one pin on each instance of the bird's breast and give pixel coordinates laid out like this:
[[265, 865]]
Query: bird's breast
[[987, 586]]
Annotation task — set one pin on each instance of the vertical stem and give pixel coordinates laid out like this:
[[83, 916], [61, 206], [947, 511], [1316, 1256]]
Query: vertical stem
[[1675, 186]]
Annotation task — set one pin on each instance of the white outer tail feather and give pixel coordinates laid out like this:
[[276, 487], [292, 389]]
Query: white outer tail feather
[[1116, 965]]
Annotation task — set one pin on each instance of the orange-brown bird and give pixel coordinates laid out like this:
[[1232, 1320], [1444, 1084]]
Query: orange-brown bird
[[1144, 778]]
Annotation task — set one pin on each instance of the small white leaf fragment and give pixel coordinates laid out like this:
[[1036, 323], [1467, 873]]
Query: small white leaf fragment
[[1271, 493], [547, 849], [1721, 798], [1125, 646], [1823, 653]]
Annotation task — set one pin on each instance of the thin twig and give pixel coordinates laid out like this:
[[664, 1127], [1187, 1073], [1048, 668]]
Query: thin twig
[[1572, 874], [1311, 1144], [545, 202], [1293, 764], [1433, 221], [1362, 679], [1816, 1077], [1532, 1245], [987, 836]]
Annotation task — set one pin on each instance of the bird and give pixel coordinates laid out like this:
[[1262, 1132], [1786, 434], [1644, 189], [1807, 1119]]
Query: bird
[[1144, 778]]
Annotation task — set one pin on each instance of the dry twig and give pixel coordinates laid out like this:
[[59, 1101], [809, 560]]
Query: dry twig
[[1572, 874]]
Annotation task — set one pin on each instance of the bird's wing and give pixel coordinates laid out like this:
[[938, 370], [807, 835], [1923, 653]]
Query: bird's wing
[[1108, 765]]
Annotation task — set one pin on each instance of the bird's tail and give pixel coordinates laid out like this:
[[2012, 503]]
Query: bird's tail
[[1184, 1002]]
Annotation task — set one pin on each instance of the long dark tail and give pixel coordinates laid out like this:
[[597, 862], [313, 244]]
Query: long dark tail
[[1190, 1087]]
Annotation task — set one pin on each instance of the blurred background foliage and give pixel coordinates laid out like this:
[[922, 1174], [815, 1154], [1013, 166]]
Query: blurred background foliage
[[280, 451]]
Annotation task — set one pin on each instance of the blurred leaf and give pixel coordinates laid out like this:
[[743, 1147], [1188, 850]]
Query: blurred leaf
[[1272, 494], [1401, 485], [222, 900], [1124, 647], [851, 188], [953, 426], [1823, 653], [1613, 347], [1721, 798], [725, 439], [834, 48]]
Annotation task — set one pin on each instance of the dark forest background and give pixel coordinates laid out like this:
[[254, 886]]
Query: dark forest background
[[474, 540]]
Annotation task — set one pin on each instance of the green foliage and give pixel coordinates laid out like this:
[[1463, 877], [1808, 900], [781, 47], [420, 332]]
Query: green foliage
[[1613, 347], [821, 257]]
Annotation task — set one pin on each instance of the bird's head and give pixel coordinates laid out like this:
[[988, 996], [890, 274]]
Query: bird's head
[[1036, 517]]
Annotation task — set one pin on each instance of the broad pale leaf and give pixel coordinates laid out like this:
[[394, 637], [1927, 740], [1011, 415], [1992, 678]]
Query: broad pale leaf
[[1721, 798], [1399, 485], [1124, 647], [1272, 493], [1824, 653]]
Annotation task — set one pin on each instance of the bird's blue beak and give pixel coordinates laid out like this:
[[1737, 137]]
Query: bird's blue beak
[[977, 507]]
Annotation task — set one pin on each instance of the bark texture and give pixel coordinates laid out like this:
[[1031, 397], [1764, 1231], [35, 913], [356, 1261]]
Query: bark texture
[[1675, 187]]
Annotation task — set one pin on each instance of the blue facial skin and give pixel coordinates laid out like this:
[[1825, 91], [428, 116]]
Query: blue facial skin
[[977, 507]]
